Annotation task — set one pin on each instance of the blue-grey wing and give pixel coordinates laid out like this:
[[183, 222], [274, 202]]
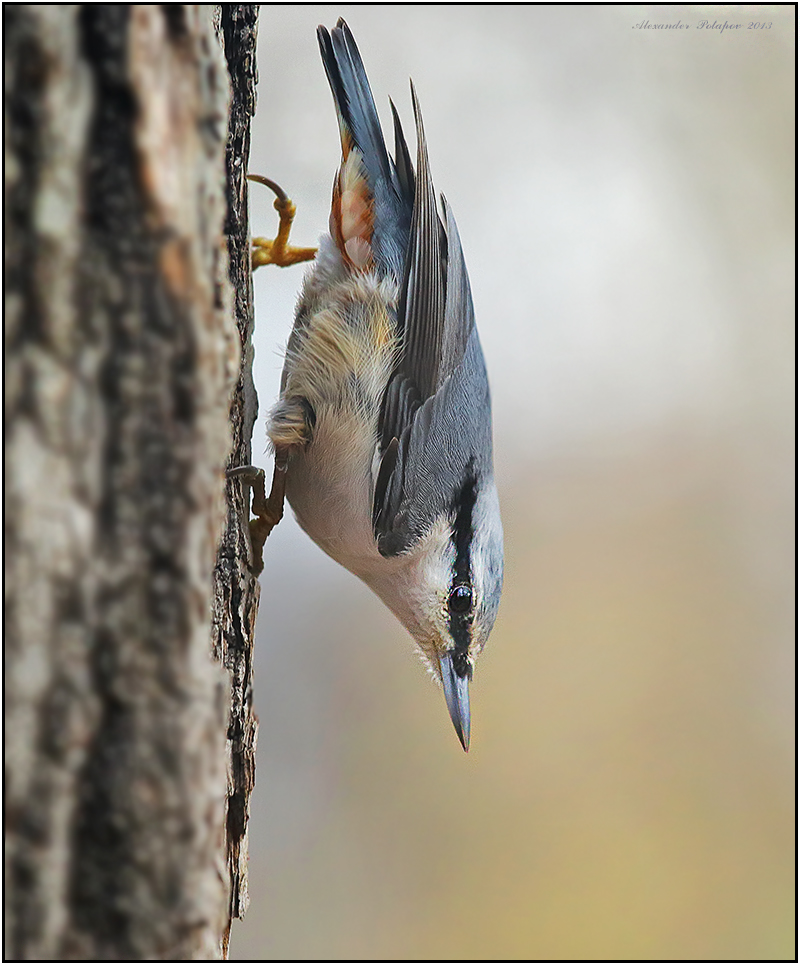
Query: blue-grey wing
[[433, 440], [446, 446]]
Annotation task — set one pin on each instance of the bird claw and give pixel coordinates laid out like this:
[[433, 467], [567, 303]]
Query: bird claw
[[267, 510], [278, 251]]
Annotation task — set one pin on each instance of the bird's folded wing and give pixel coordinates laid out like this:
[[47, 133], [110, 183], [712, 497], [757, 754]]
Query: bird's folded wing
[[435, 421]]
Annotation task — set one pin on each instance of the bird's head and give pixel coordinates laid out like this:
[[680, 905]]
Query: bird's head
[[448, 592]]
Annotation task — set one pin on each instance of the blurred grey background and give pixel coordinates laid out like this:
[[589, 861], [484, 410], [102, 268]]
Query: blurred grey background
[[625, 199]]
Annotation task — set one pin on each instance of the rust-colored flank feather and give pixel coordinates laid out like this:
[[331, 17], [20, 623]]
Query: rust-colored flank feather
[[352, 210]]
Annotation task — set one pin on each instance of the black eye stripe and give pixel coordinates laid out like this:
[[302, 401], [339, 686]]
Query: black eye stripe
[[462, 506], [461, 598]]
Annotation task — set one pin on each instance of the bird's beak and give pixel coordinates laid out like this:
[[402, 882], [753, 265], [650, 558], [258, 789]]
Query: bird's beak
[[456, 693]]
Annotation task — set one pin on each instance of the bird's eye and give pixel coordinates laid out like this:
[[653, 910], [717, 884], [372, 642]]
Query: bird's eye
[[460, 599]]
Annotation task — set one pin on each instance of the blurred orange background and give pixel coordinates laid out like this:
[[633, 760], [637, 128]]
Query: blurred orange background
[[625, 198]]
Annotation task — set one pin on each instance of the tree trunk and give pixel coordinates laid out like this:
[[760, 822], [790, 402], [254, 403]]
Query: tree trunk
[[122, 353], [236, 590]]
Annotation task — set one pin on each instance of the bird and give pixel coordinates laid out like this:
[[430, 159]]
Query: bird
[[382, 432]]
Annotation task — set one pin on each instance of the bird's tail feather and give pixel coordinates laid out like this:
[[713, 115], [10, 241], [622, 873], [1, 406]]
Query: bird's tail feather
[[374, 195]]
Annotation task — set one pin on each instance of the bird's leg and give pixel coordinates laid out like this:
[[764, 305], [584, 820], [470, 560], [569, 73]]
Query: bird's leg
[[278, 251], [267, 510]]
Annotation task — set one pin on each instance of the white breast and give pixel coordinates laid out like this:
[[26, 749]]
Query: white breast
[[329, 487]]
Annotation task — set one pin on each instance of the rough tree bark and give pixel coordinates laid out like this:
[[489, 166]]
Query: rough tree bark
[[236, 590], [125, 830]]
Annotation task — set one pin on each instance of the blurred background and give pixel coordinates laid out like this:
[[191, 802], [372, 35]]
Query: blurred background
[[625, 199]]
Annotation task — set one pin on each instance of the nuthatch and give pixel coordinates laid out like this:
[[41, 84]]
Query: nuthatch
[[383, 428]]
